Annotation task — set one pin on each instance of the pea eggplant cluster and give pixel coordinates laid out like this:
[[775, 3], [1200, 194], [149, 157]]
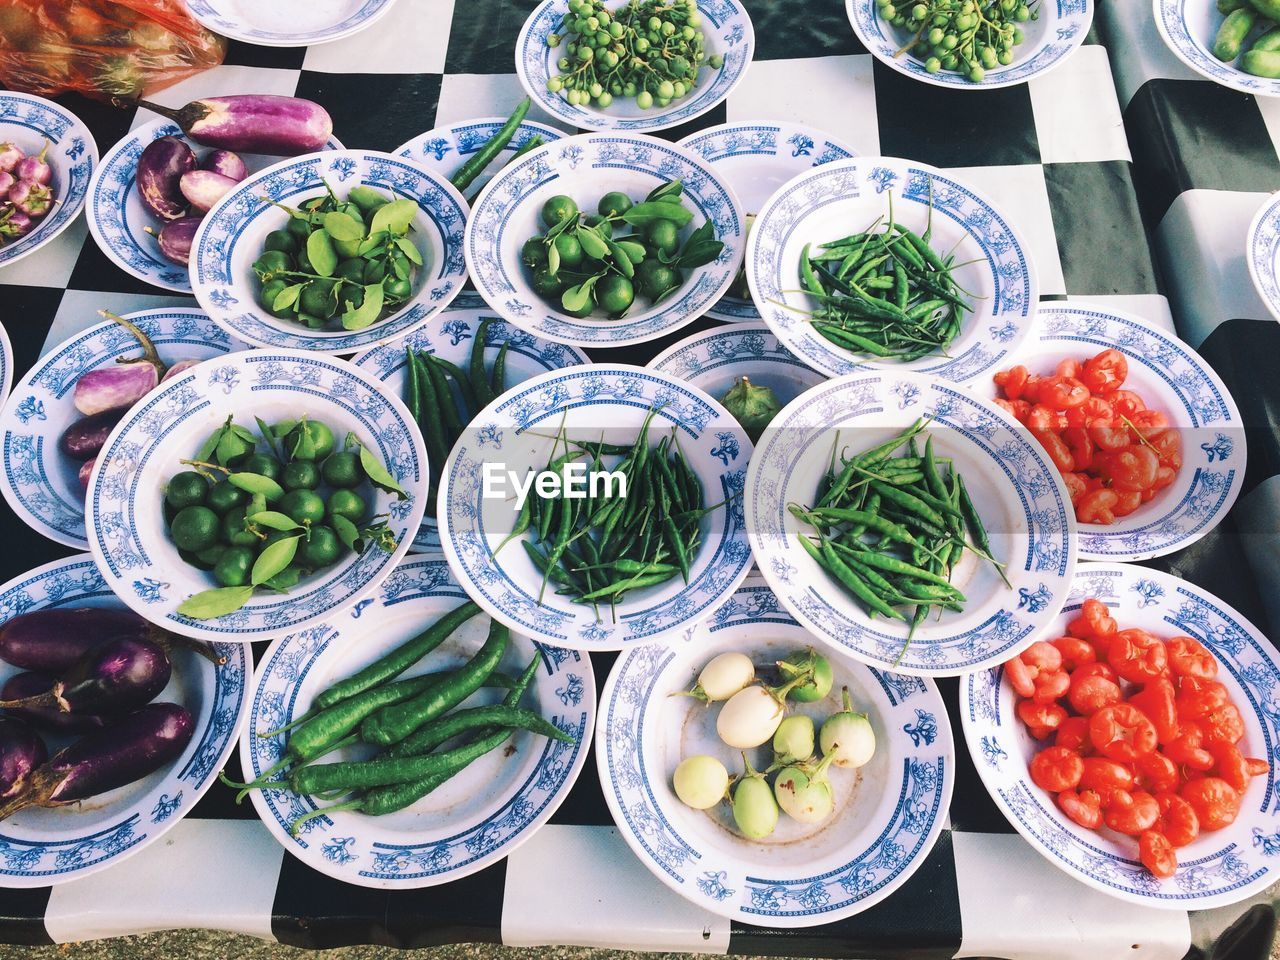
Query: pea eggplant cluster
[[89, 673], [26, 196], [406, 721], [581, 267], [754, 714], [1245, 19], [263, 518], [968, 37], [345, 262]]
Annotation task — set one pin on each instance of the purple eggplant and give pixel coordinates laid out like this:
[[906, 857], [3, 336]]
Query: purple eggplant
[[118, 675], [160, 168], [34, 168], [86, 473], [29, 684], [7, 180], [131, 748], [226, 163], [123, 385], [32, 198], [204, 188], [52, 641], [253, 123], [175, 239], [9, 157], [14, 223], [22, 752], [84, 438], [179, 368]]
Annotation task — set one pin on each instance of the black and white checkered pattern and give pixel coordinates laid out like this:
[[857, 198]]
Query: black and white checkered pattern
[[1053, 153]]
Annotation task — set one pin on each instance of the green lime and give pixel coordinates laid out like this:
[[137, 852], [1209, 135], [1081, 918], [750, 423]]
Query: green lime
[[186, 489], [346, 503], [548, 285], [223, 496], [558, 209], [662, 235], [584, 312], [194, 528], [321, 438], [194, 560], [261, 464], [352, 270], [234, 531], [374, 271], [397, 289], [653, 277], [346, 248], [210, 556], [534, 253], [300, 475], [321, 550], [233, 567], [350, 297], [267, 298], [317, 298], [271, 263], [281, 240], [302, 506], [299, 227], [613, 204], [570, 250], [614, 293], [603, 226], [342, 470]]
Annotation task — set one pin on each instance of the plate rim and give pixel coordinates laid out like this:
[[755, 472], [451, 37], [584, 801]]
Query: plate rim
[[1270, 208], [1231, 77], [290, 40]]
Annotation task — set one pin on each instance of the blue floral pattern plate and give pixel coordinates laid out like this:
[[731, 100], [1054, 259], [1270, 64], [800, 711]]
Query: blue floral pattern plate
[[585, 167], [1171, 378], [1051, 38], [31, 122], [758, 158], [1188, 28], [445, 149], [844, 196], [516, 432], [888, 813], [287, 23], [118, 221], [6, 364], [476, 818], [1220, 867], [126, 529], [40, 484], [1262, 253], [728, 32], [231, 235], [40, 848], [1016, 488], [450, 335]]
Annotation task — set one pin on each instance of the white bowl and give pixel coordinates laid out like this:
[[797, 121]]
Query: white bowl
[[31, 122], [888, 813], [1262, 253], [1188, 28], [1050, 39], [846, 196], [1171, 378], [287, 23], [728, 33], [444, 149], [585, 167], [1015, 488], [126, 525], [231, 235], [1218, 868]]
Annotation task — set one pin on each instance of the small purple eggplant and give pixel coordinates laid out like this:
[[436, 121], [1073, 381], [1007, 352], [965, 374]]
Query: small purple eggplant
[[179, 368], [160, 168], [204, 188], [52, 641], [253, 123], [129, 749], [175, 239], [7, 180], [51, 719], [84, 438], [123, 385], [32, 198], [14, 224], [114, 676], [86, 473], [9, 157], [34, 168], [22, 752], [226, 163]]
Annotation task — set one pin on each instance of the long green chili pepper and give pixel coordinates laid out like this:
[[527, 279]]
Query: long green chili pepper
[[465, 174], [481, 384]]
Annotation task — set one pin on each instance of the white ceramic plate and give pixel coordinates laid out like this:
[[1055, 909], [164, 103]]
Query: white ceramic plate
[[117, 219], [445, 149], [1171, 378], [845, 197], [516, 432], [1220, 867], [1015, 487], [53, 846], [1188, 28], [888, 813], [1050, 39], [476, 818], [30, 122], [126, 527], [231, 235], [728, 32], [758, 158], [585, 167], [287, 23], [450, 335], [1262, 253], [40, 484], [6, 364]]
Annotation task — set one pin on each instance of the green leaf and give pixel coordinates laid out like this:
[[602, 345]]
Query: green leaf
[[368, 311], [409, 249], [230, 447], [341, 226], [553, 259], [635, 251], [302, 446], [671, 189], [211, 442], [287, 297], [274, 559], [697, 255], [366, 198], [244, 433], [257, 483], [593, 245], [268, 437], [374, 242], [284, 580], [347, 533], [274, 520], [400, 268], [621, 260], [215, 603], [643, 214], [576, 298], [379, 474], [324, 259], [394, 217]]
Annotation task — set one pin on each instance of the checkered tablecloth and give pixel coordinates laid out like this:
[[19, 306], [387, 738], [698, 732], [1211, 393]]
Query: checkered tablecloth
[[1053, 154]]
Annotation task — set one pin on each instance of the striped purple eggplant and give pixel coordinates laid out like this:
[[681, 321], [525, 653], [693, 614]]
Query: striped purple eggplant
[[253, 123], [160, 168], [29, 684], [21, 754]]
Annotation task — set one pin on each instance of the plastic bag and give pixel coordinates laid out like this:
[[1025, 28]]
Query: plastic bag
[[102, 48]]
